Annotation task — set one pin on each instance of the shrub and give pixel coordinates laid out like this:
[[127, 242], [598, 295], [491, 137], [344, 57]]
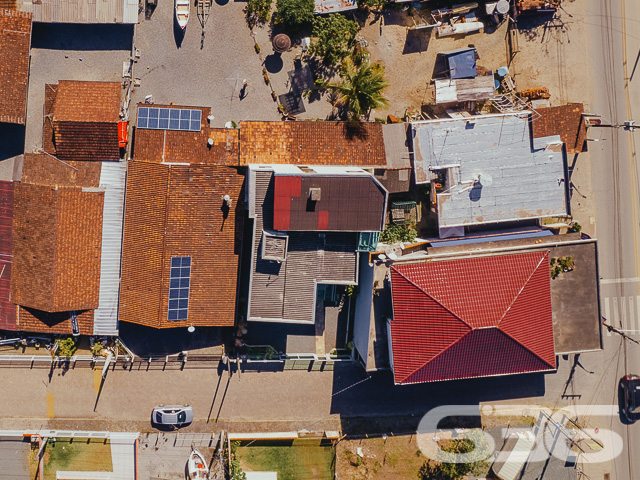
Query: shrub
[[375, 5], [67, 347], [96, 349], [398, 233], [335, 37], [258, 11], [294, 14]]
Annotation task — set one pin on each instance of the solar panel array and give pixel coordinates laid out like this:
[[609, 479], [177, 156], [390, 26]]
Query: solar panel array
[[179, 288], [156, 118]]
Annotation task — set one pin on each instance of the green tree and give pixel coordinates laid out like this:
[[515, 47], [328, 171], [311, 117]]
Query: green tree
[[294, 14], [258, 11], [67, 347], [335, 37], [361, 87], [398, 233]]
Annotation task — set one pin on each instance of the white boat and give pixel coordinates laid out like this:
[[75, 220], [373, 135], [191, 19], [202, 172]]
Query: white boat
[[197, 466], [182, 12]]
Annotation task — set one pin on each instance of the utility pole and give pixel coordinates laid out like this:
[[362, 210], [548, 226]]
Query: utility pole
[[613, 329]]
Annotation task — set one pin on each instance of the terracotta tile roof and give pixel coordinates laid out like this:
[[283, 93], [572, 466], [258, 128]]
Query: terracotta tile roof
[[31, 320], [86, 141], [81, 120], [312, 143], [347, 203], [188, 147], [7, 309], [57, 238], [472, 317], [41, 169], [90, 102], [15, 41], [564, 120], [177, 211]]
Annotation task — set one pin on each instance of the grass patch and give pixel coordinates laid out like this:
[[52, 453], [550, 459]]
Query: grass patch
[[76, 456], [297, 460]]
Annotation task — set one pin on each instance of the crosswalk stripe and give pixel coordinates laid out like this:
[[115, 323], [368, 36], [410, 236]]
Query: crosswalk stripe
[[623, 313]]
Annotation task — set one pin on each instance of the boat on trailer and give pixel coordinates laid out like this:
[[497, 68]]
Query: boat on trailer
[[182, 12], [197, 466]]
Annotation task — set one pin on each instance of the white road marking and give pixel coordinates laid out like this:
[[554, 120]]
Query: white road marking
[[607, 281], [623, 313]]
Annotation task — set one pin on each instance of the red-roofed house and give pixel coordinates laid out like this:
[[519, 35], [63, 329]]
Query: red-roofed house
[[471, 317], [7, 309]]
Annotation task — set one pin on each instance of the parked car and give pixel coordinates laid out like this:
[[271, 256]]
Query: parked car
[[172, 415], [631, 397]]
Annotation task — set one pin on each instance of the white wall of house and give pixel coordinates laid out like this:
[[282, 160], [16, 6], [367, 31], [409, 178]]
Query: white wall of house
[[364, 304]]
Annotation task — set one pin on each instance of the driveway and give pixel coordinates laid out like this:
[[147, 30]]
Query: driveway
[[208, 71]]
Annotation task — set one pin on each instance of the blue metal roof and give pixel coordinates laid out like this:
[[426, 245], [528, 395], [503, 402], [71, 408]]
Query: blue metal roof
[[462, 63]]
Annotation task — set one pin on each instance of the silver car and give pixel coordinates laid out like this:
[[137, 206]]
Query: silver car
[[172, 415]]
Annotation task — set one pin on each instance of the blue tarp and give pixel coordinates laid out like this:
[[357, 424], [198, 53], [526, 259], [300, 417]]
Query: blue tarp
[[462, 63]]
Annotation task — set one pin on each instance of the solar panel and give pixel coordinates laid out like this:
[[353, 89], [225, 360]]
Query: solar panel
[[179, 285], [155, 118]]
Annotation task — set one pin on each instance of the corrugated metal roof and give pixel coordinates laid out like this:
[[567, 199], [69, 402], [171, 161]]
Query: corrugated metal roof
[[81, 11], [7, 309], [286, 291], [472, 317], [333, 6], [528, 178], [396, 145], [112, 179]]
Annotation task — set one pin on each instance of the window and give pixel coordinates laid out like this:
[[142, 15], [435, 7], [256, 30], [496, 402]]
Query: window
[[179, 284]]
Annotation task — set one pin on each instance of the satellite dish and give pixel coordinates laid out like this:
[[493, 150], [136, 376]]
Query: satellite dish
[[485, 180], [191, 329], [502, 7]]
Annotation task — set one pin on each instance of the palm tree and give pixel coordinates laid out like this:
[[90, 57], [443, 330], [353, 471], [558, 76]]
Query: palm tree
[[361, 87]]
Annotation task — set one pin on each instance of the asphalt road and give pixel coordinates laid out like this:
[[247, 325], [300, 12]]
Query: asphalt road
[[615, 46]]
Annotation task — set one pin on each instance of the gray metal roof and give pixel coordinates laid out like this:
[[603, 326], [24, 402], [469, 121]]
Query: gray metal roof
[[81, 11], [528, 178], [396, 145], [286, 291], [112, 179]]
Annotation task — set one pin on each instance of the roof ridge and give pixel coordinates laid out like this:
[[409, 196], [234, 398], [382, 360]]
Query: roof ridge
[[526, 347], [434, 299], [164, 242], [441, 353], [516, 297]]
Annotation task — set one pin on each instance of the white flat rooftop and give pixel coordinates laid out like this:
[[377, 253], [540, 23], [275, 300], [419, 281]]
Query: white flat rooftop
[[524, 177]]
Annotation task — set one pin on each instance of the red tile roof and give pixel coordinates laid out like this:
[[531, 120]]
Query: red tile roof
[[472, 317], [312, 143], [347, 203], [57, 239], [83, 122], [178, 211], [564, 120], [31, 320], [15, 41], [7, 309], [188, 147]]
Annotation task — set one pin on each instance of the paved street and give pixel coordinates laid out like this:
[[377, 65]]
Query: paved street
[[615, 43]]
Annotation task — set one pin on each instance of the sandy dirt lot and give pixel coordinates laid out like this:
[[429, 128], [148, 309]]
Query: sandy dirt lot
[[396, 458]]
